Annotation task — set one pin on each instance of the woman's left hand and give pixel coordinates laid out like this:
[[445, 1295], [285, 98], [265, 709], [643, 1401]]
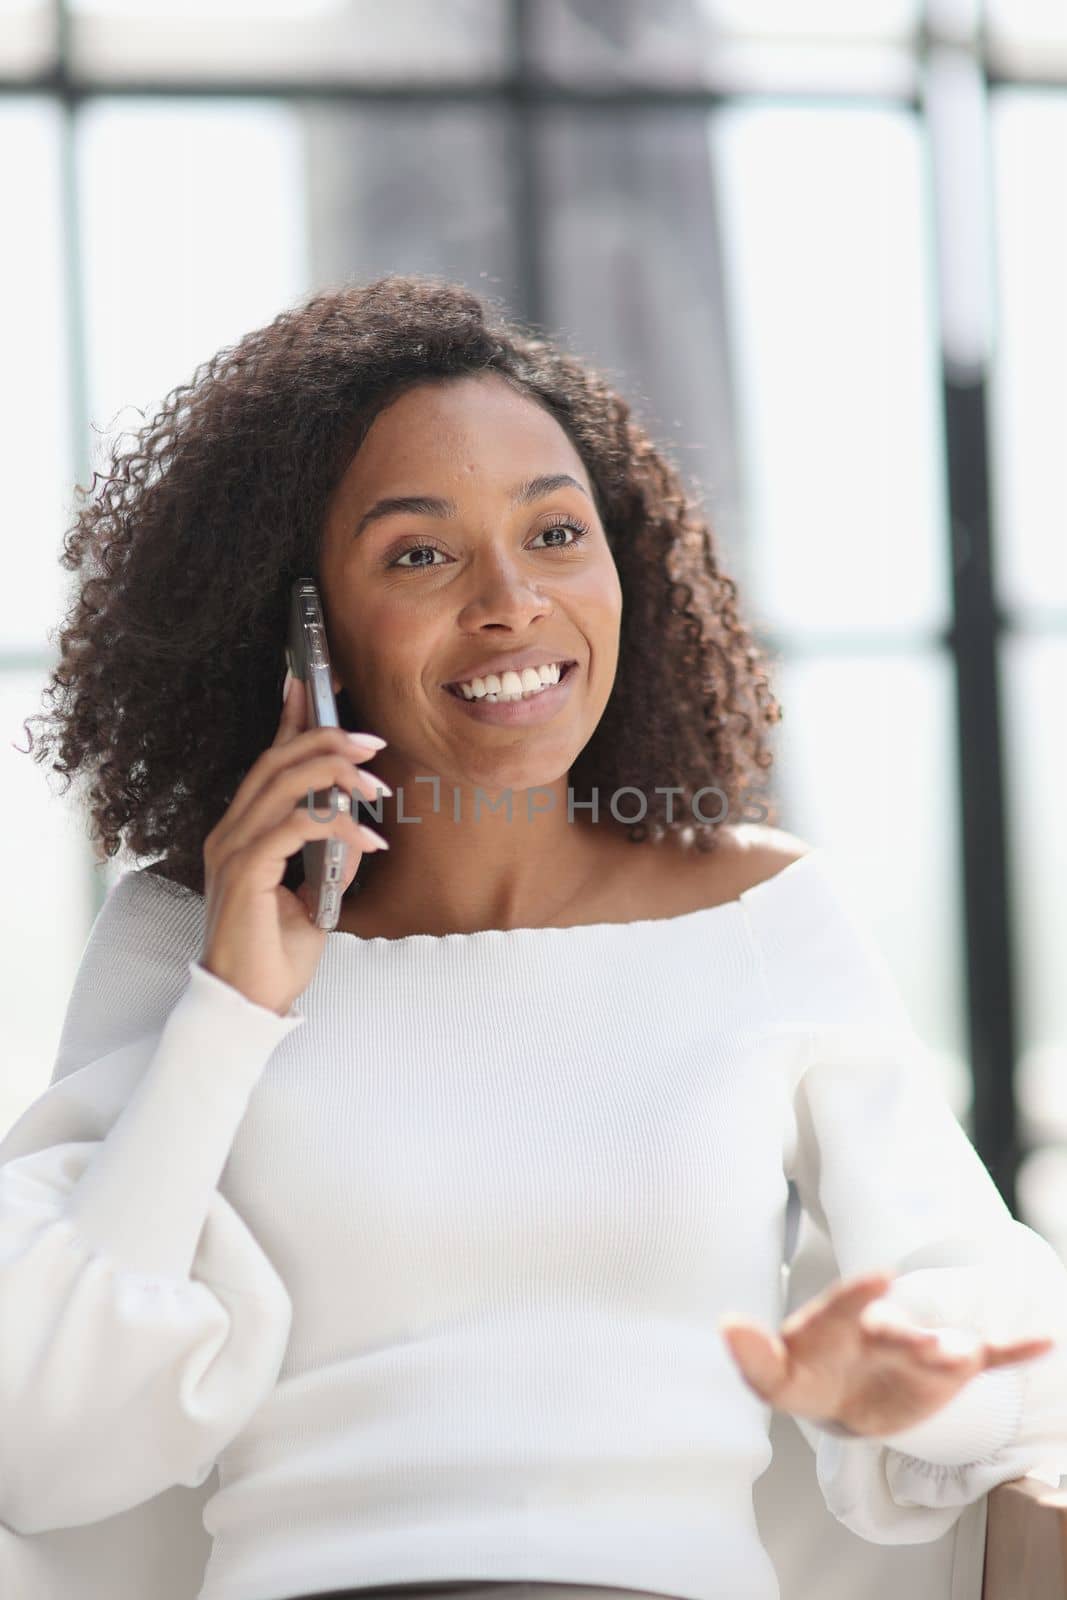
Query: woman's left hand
[[874, 1373]]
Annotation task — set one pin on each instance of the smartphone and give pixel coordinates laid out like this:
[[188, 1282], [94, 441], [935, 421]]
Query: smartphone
[[309, 660]]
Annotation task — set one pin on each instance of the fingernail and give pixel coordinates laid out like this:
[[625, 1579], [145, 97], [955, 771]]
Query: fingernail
[[382, 844], [287, 685], [370, 739]]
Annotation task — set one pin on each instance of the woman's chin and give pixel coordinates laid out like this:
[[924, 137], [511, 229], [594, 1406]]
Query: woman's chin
[[494, 780]]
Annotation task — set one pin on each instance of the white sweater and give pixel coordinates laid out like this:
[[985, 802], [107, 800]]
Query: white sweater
[[432, 1267]]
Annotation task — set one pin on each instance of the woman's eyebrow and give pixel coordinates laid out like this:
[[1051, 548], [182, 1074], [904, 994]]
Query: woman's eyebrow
[[421, 505]]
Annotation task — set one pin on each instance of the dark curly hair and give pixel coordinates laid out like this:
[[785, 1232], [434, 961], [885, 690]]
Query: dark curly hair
[[172, 653]]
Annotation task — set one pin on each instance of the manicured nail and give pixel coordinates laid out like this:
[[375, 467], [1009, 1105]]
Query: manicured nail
[[287, 685], [380, 843], [370, 739]]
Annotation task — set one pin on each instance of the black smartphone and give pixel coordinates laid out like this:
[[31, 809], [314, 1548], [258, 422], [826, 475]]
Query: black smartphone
[[309, 660]]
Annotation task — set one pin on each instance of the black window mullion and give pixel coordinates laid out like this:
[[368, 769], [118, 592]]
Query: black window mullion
[[974, 640], [983, 819], [528, 199]]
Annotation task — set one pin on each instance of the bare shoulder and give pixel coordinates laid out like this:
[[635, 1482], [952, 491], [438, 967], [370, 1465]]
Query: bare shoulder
[[749, 853], [677, 878]]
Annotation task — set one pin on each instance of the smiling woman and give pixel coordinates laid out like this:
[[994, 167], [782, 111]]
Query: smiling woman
[[468, 495]]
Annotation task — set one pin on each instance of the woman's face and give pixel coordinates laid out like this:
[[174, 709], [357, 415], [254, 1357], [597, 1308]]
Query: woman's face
[[488, 577]]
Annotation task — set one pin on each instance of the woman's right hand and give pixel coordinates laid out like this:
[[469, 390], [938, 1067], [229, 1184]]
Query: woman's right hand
[[259, 936]]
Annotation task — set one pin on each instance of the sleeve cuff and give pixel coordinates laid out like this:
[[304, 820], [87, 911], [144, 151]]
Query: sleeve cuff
[[200, 977], [243, 1033], [984, 1417]]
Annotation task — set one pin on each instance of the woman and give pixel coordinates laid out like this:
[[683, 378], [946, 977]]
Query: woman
[[452, 1238]]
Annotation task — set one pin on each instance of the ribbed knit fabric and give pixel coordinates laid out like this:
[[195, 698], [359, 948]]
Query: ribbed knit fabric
[[432, 1268]]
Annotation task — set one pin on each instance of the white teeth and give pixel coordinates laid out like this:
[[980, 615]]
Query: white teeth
[[512, 685]]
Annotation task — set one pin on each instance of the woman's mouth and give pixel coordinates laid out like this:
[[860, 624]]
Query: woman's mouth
[[537, 706]]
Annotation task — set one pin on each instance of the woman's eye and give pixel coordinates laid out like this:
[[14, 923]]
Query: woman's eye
[[414, 550], [579, 530]]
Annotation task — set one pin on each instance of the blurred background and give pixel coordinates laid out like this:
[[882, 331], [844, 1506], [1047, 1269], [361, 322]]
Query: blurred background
[[822, 247]]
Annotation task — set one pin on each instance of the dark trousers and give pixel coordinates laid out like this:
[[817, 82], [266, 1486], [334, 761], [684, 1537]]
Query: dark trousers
[[472, 1589]]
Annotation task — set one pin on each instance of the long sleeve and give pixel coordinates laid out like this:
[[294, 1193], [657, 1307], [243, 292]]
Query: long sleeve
[[882, 1166], [143, 1324]]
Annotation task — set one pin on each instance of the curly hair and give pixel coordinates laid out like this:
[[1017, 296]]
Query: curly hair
[[171, 656]]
